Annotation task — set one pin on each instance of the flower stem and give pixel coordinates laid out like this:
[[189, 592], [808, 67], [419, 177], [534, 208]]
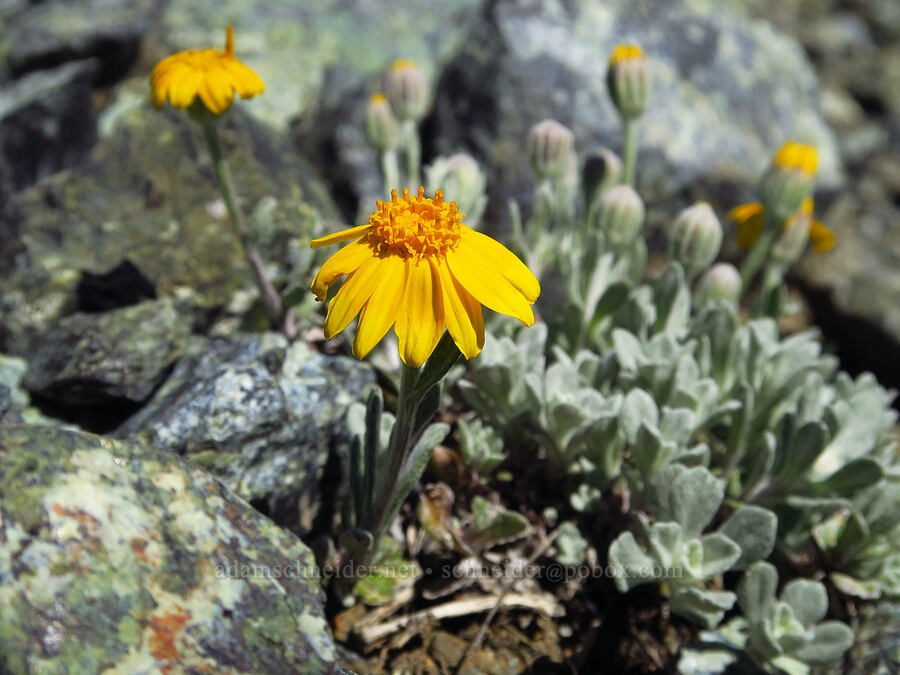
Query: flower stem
[[413, 153], [758, 254], [270, 296], [390, 171], [630, 151], [398, 448]]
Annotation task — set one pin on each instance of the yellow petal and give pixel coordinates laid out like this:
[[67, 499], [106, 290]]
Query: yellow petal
[[462, 312], [822, 237], [345, 261], [383, 306], [480, 277], [503, 260], [750, 219], [338, 237], [420, 321], [351, 298]]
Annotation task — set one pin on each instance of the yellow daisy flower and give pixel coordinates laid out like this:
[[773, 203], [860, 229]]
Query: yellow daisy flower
[[212, 74], [750, 219], [415, 265]]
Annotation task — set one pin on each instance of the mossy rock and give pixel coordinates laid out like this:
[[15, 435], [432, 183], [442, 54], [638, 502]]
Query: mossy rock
[[148, 194], [117, 556]]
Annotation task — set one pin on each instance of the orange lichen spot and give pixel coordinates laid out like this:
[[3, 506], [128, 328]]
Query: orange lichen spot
[[139, 546], [80, 516], [165, 632]]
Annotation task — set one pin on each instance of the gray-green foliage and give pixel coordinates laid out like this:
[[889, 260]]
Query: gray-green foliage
[[765, 430], [674, 549], [783, 633]]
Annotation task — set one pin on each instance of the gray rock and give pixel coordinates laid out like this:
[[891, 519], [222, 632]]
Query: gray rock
[[119, 558], [15, 403], [87, 359], [727, 91], [47, 122], [147, 193], [310, 53], [53, 32], [259, 414]]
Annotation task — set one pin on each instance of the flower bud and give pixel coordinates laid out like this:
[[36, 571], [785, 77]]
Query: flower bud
[[696, 238], [462, 181], [794, 236], [628, 80], [381, 125], [407, 90], [722, 281], [619, 214], [550, 147], [602, 170], [788, 180]]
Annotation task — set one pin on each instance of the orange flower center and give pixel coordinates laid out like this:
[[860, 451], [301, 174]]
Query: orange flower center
[[415, 226]]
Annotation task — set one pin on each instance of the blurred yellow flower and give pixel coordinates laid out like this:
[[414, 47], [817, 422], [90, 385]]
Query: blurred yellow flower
[[416, 266], [212, 74], [625, 53], [798, 156], [750, 219]]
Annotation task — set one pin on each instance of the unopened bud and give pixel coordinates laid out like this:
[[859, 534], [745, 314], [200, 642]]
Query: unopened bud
[[381, 125], [550, 148], [696, 238], [788, 180], [628, 80], [619, 214], [794, 235], [602, 170], [722, 281], [407, 90], [462, 181]]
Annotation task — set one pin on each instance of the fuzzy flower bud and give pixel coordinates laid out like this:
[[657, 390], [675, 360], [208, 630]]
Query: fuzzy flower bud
[[462, 181], [788, 180], [550, 147], [381, 125], [722, 281], [696, 238], [602, 170], [628, 80], [407, 90], [794, 236], [619, 214]]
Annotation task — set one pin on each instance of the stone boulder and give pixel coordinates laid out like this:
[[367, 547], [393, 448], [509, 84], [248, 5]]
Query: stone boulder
[[53, 32], [147, 194], [727, 91], [47, 123], [119, 558], [261, 415], [95, 359]]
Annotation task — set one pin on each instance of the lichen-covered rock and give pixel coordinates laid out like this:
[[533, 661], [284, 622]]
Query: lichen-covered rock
[[310, 53], [259, 414], [727, 91], [47, 122], [15, 403], [87, 359], [118, 558], [49, 33], [148, 194]]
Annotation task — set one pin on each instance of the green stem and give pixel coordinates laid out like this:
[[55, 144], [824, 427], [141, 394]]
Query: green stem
[[398, 448], [413, 154], [390, 170], [270, 296], [769, 301], [630, 151], [758, 254]]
